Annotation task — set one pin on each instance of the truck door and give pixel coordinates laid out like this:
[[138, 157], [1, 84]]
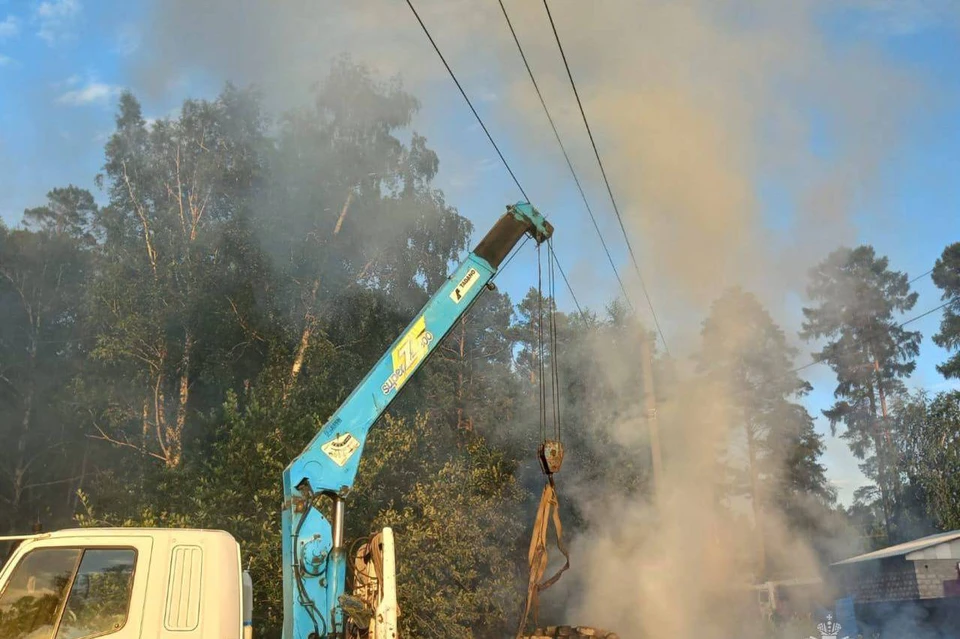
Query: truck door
[[76, 588]]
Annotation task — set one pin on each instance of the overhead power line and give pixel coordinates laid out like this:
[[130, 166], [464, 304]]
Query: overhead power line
[[563, 149], [569, 288], [606, 181], [453, 76], [467, 99], [918, 277], [900, 325], [932, 310]]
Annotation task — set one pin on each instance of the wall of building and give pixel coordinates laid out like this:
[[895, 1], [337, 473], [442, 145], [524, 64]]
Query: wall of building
[[885, 580], [931, 573], [897, 579]]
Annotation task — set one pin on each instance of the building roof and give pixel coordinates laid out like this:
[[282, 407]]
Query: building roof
[[937, 546]]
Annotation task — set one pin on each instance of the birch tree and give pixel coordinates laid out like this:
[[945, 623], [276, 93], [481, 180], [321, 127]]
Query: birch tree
[[180, 192]]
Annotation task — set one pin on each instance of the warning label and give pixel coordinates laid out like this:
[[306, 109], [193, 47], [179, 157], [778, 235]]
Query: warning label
[[341, 449]]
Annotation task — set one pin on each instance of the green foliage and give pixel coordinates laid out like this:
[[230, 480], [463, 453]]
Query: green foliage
[[272, 319], [454, 514], [745, 356], [931, 442], [946, 275], [193, 334], [175, 292], [43, 277], [870, 353]]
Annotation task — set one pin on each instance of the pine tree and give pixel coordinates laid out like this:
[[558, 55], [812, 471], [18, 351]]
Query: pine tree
[[946, 275], [870, 353], [746, 355]]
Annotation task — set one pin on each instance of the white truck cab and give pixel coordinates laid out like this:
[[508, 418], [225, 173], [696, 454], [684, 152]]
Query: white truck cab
[[124, 583]]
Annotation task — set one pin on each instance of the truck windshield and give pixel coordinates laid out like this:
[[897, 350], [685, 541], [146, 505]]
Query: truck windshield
[[30, 602], [67, 593]]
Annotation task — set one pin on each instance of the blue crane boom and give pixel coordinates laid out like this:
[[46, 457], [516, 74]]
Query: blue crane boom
[[314, 557]]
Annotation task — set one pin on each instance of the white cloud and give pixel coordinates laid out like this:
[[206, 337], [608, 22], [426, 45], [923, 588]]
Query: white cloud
[[9, 27], [72, 81], [908, 17], [5, 60], [92, 93], [128, 39], [55, 19]]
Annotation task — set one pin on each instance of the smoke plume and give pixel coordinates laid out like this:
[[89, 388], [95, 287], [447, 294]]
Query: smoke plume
[[740, 137], [741, 140]]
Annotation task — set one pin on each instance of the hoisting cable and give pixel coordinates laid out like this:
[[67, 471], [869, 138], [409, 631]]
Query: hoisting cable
[[542, 389], [550, 454], [555, 377]]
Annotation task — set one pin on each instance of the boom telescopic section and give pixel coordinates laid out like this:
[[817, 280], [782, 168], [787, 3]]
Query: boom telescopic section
[[314, 557]]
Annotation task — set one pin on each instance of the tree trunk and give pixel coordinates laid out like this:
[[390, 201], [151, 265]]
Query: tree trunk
[[758, 520], [166, 434], [881, 466], [74, 496], [20, 468], [650, 409], [142, 214], [309, 316], [309, 323], [176, 445], [894, 474]]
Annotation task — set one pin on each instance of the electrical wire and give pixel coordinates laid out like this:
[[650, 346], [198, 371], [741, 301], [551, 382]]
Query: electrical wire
[[556, 260], [900, 325], [453, 76], [509, 259], [469, 103], [920, 276], [922, 315], [606, 181], [563, 149], [573, 295]]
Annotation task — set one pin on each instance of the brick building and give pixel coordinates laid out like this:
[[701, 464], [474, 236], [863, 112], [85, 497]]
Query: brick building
[[911, 587]]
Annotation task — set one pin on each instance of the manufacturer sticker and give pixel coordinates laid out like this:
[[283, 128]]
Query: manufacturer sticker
[[471, 278], [341, 449], [412, 349]]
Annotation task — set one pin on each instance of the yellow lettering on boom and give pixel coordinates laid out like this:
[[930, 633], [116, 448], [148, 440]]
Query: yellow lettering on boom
[[409, 352]]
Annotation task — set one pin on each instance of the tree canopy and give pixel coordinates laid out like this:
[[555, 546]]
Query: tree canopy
[[858, 299], [946, 275], [170, 344]]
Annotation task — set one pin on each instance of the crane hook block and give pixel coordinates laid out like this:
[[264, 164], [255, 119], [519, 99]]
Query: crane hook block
[[551, 456]]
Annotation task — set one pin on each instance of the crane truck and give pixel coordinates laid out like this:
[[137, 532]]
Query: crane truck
[[141, 583]]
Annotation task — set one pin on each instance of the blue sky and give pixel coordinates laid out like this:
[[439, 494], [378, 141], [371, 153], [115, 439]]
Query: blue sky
[[63, 63]]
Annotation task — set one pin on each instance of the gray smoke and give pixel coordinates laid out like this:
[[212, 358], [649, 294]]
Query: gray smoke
[[741, 140]]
